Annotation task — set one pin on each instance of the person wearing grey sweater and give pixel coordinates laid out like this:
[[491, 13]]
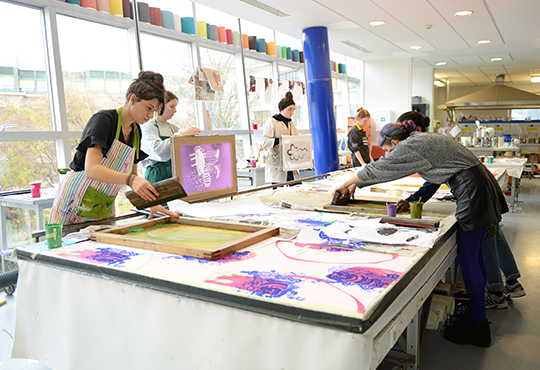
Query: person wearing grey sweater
[[439, 159]]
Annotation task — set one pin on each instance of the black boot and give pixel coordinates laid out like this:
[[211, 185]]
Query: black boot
[[467, 331]]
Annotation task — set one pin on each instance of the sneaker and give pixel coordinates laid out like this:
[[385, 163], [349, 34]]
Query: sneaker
[[514, 291], [494, 301], [468, 332]]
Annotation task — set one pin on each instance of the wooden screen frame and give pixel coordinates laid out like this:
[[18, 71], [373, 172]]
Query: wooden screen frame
[[120, 236], [176, 160]]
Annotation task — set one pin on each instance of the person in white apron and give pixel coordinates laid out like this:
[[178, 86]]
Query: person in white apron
[[107, 156], [280, 124], [156, 141]]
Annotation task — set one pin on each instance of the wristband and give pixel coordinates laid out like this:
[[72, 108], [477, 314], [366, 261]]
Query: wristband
[[129, 179]]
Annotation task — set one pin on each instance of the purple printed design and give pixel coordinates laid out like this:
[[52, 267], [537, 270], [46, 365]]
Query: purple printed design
[[110, 256], [233, 257], [325, 239], [366, 277], [314, 222], [206, 167], [263, 284]]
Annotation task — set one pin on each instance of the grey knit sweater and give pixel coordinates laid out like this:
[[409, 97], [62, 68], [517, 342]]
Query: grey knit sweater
[[435, 157]]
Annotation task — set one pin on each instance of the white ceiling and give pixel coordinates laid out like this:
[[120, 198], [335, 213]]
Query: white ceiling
[[512, 26]]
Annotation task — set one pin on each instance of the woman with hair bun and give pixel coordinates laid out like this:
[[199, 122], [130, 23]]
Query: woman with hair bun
[[422, 122], [439, 159], [277, 126], [358, 141], [107, 155]]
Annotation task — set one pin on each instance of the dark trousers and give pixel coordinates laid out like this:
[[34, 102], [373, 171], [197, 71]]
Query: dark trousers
[[473, 266]]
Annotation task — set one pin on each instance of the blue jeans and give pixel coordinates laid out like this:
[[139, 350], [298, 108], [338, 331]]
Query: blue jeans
[[498, 256]]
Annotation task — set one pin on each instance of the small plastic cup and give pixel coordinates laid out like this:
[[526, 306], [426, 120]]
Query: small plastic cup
[[490, 159], [35, 189], [253, 163], [53, 235], [416, 209], [391, 209]]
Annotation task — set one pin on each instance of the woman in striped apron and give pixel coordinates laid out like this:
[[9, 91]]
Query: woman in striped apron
[[107, 156]]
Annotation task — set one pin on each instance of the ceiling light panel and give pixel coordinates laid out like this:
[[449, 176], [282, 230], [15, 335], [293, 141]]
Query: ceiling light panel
[[267, 8], [356, 46], [463, 13], [377, 23]]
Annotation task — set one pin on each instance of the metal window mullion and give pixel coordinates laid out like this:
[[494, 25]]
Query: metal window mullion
[[57, 99]]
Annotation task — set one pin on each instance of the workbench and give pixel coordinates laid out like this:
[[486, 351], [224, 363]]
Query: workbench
[[276, 304], [24, 201], [514, 168]]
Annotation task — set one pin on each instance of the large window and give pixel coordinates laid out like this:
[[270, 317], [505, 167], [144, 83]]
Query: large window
[[223, 111], [24, 97], [96, 68], [173, 60], [292, 79], [260, 90]]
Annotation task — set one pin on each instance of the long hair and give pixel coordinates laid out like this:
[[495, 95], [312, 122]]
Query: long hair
[[147, 86], [395, 131]]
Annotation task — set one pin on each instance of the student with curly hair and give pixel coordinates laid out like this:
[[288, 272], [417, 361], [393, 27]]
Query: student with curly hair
[[107, 156]]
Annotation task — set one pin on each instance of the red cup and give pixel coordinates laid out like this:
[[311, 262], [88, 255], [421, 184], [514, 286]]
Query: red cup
[[253, 163], [35, 189], [254, 126]]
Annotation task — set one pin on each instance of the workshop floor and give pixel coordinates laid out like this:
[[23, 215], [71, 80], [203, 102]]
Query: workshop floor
[[515, 331]]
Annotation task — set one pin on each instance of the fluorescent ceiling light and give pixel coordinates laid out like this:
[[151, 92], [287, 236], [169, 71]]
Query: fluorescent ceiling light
[[463, 13], [415, 47], [496, 59], [440, 63], [480, 42], [438, 83], [535, 79], [377, 23]]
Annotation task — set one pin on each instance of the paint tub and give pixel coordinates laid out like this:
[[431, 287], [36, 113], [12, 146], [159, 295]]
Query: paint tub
[[490, 159], [416, 209], [391, 209], [35, 189], [53, 235]]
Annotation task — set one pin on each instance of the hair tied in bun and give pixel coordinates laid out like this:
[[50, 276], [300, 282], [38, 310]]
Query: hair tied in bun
[[409, 126]]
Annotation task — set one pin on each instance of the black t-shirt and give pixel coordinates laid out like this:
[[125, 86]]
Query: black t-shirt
[[358, 142], [101, 130]]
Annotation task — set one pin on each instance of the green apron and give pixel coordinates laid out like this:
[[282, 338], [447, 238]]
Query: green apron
[[160, 170]]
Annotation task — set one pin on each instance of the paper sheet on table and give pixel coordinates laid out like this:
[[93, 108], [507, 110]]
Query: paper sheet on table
[[248, 205], [372, 231]]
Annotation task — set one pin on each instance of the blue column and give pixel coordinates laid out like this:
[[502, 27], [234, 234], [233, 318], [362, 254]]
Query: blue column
[[320, 99]]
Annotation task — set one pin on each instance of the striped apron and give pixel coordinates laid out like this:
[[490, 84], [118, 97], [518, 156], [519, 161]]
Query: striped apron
[[80, 199]]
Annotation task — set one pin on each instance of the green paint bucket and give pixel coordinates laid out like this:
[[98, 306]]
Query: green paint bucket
[[53, 235]]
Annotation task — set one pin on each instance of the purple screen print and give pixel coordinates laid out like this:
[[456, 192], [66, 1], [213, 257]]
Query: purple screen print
[[206, 167]]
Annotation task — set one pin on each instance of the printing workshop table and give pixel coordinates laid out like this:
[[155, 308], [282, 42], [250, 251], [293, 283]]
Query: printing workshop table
[[98, 306], [514, 167], [24, 201]]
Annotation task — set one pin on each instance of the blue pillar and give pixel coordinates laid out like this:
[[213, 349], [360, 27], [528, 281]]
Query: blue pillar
[[320, 99]]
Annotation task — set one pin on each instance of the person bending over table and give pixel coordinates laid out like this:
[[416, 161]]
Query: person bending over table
[[107, 156], [497, 254], [277, 126], [156, 141], [439, 159]]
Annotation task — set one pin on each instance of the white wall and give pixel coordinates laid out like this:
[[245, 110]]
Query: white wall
[[387, 87], [422, 85]]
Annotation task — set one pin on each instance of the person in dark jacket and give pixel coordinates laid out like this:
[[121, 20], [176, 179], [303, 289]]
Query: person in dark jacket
[[439, 159], [357, 139]]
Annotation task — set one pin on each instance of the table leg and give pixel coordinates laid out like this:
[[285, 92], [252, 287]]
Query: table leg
[[513, 194], [413, 341]]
